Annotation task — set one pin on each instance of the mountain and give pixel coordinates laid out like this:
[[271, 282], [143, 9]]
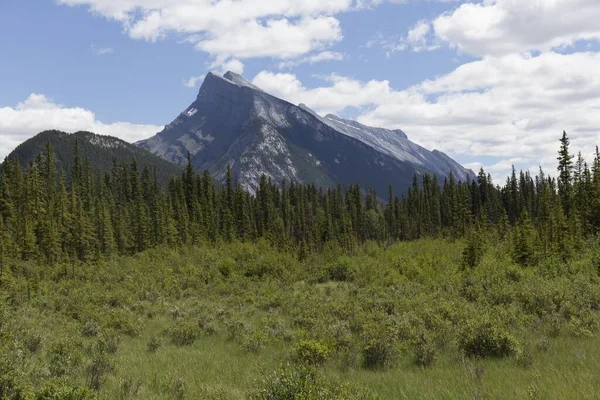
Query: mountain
[[99, 150], [234, 122]]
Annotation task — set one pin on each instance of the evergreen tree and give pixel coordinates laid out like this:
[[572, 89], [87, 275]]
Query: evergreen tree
[[565, 168]]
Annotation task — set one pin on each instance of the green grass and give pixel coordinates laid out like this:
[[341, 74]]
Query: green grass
[[245, 308]]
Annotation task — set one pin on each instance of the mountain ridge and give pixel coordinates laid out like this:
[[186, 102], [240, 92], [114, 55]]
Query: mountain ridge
[[100, 150], [233, 122]]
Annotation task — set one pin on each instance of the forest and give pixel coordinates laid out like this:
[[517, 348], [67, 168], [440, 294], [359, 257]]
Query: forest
[[115, 286]]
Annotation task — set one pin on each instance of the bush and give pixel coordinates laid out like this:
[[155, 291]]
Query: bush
[[177, 388], [525, 358], [91, 328], [183, 334], [130, 388], [238, 328], [153, 344], [426, 352], [304, 383], [311, 352], [58, 391], [485, 339], [96, 371], [33, 342], [380, 349], [207, 325], [64, 357], [543, 345], [596, 264], [254, 342], [340, 270], [226, 267], [473, 252]]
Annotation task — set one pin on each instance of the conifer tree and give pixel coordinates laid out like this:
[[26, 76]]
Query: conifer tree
[[565, 168]]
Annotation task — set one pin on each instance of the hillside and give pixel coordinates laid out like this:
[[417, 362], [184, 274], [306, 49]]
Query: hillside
[[101, 152]]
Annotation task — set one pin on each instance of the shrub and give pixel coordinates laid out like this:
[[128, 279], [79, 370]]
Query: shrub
[[207, 325], [33, 341], [130, 388], [177, 388], [153, 344], [524, 358], [596, 264], [58, 391], [238, 328], [96, 371], [426, 352], [183, 334], [64, 357], [91, 328], [473, 252], [340, 270], [380, 349], [254, 342], [543, 344], [485, 339], [311, 352], [304, 383], [226, 267], [112, 344]]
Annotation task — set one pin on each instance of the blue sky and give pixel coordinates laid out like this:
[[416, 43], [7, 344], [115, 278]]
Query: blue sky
[[491, 83]]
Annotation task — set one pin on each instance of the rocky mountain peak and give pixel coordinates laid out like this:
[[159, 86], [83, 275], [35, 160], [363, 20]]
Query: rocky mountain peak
[[234, 122], [239, 80]]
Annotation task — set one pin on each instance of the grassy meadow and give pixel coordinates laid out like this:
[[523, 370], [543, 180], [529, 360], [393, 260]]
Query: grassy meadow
[[244, 321]]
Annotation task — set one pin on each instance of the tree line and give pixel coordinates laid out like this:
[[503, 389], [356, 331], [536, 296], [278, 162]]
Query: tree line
[[47, 216]]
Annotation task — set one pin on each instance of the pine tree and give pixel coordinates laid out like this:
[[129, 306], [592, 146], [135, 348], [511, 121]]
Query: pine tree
[[565, 167]]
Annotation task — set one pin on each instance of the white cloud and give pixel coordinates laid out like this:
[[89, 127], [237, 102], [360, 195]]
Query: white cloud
[[192, 81], [104, 51], [280, 29], [38, 113], [419, 38], [277, 38], [343, 92], [234, 65], [313, 59], [497, 27], [514, 107]]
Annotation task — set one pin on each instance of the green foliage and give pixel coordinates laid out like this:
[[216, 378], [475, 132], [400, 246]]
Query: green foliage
[[311, 352], [426, 353], [305, 383], [473, 252], [380, 348], [58, 391], [183, 333], [340, 270], [153, 344], [485, 338], [96, 370]]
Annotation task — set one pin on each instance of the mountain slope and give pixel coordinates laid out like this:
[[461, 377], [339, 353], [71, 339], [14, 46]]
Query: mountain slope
[[98, 149], [234, 122]]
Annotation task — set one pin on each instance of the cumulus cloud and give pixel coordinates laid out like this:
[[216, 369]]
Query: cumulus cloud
[[341, 93], [281, 29], [419, 38], [38, 113], [511, 107], [498, 27], [193, 81]]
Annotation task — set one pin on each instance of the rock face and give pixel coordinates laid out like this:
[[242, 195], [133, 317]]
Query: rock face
[[234, 122]]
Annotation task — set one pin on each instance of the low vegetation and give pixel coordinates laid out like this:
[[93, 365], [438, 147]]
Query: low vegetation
[[403, 321]]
